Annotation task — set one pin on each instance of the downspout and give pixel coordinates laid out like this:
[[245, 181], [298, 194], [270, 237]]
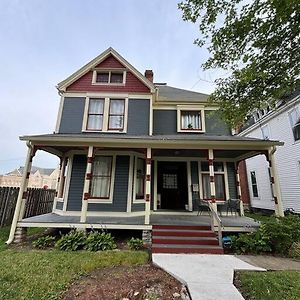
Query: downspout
[[19, 201]]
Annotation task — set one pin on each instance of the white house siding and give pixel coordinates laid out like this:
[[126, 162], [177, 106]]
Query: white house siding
[[287, 162]]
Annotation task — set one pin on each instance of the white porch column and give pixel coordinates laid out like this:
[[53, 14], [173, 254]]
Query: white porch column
[[86, 187], [148, 186], [61, 177], [238, 188], [212, 179], [275, 183], [22, 196]]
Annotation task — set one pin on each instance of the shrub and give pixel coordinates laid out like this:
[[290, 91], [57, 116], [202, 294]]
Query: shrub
[[97, 241], [44, 242], [295, 250], [74, 240], [135, 244]]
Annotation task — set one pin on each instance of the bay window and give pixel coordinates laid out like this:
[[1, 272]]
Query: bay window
[[101, 179]]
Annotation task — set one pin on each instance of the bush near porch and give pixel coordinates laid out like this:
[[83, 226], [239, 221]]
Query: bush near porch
[[275, 235], [44, 274]]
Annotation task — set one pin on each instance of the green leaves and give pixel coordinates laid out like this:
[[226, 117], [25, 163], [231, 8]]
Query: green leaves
[[257, 41], [135, 244]]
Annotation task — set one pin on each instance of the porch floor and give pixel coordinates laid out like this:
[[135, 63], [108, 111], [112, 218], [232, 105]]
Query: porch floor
[[230, 223]]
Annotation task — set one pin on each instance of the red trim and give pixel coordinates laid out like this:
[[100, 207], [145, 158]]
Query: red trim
[[148, 177], [213, 198], [148, 161], [86, 196], [211, 178], [210, 162], [89, 176], [275, 199], [272, 180], [147, 197], [24, 195], [98, 197], [238, 183], [27, 175]]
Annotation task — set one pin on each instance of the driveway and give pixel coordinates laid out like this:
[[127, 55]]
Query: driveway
[[207, 276]]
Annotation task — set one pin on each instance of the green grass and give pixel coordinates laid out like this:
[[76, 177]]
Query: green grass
[[279, 285], [34, 274], [257, 217]]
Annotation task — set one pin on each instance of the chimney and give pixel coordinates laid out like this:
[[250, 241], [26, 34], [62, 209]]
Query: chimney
[[149, 75]]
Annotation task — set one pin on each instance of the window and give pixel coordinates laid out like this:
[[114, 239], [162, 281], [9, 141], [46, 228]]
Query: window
[[190, 119], [254, 184], [109, 77], [116, 114], [101, 180], [265, 132], [219, 177], [95, 114], [140, 178], [105, 114], [294, 116]]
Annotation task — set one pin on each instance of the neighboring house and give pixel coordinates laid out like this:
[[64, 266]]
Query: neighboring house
[[281, 124], [132, 150], [38, 178]]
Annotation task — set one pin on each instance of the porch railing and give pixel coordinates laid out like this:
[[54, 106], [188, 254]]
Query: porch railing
[[215, 219]]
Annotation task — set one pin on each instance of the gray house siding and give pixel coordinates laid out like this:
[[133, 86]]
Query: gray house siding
[[165, 122], [231, 180], [73, 111], [138, 207], [76, 183], [72, 115], [120, 189], [138, 116]]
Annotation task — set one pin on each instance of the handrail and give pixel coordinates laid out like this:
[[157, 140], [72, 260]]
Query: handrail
[[217, 219]]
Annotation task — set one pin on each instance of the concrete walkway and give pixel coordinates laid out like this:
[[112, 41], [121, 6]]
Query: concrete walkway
[[207, 276]]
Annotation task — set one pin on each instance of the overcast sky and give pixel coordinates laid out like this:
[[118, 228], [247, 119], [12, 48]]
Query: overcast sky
[[43, 42]]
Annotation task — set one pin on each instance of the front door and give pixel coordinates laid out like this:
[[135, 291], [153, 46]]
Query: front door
[[172, 185]]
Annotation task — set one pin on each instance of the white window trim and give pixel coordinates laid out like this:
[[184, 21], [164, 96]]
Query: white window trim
[[269, 131], [94, 82], [290, 121], [251, 185], [190, 108], [112, 180], [135, 200], [105, 114], [225, 173]]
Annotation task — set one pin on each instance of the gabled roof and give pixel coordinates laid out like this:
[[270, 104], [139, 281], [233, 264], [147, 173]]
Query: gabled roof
[[171, 94], [93, 63], [34, 169]]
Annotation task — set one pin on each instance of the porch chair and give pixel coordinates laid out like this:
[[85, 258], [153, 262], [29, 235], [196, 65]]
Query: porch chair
[[233, 205], [202, 206]]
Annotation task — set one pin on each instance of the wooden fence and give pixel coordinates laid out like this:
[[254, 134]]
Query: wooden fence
[[39, 201]]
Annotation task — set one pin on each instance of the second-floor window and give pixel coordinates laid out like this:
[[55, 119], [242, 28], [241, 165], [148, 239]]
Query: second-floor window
[[106, 114], [294, 116], [190, 119]]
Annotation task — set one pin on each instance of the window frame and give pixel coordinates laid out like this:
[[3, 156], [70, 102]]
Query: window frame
[[109, 71], [112, 181], [135, 198], [225, 180], [190, 108], [256, 184], [266, 126], [296, 109], [105, 124], [114, 115], [88, 115]]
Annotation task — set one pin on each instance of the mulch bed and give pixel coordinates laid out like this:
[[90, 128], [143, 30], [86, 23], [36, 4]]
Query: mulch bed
[[123, 282]]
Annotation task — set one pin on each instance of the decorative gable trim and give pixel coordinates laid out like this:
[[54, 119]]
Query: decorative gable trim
[[62, 86]]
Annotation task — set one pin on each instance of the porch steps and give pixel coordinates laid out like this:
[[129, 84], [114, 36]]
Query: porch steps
[[184, 239]]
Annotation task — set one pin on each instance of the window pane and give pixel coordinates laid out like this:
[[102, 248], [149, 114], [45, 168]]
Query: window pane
[[265, 132], [294, 116], [204, 166], [253, 177], [254, 184], [95, 122], [191, 120], [102, 77], [116, 122], [102, 166], [96, 106], [140, 178], [296, 131], [220, 188], [218, 167], [116, 77], [116, 107], [206, 186], [100, 187]]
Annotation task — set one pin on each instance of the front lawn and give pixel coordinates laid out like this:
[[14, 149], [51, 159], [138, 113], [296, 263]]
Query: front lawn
[[33, 274], [279, 285]]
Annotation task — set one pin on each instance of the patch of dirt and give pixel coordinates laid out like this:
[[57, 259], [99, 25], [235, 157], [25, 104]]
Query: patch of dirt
[[130, 283]]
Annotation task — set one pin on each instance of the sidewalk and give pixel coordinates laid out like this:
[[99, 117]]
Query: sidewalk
[[207, 276]]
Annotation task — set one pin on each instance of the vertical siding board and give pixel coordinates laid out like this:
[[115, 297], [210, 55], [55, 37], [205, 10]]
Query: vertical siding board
[[231, 180], [72, 115]]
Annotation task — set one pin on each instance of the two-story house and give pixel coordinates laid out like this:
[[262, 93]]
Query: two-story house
[[282, 123], [132, 149]]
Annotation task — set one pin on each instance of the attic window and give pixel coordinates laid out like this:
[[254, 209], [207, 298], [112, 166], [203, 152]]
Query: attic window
[[190, 119], [109, 77]]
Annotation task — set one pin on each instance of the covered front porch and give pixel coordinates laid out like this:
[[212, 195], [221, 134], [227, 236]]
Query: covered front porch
[[133, 182]]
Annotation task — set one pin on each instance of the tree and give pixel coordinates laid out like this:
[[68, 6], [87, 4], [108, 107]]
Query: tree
[[257, 41]]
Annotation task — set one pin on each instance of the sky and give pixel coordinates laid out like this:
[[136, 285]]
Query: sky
[[43, 42]]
